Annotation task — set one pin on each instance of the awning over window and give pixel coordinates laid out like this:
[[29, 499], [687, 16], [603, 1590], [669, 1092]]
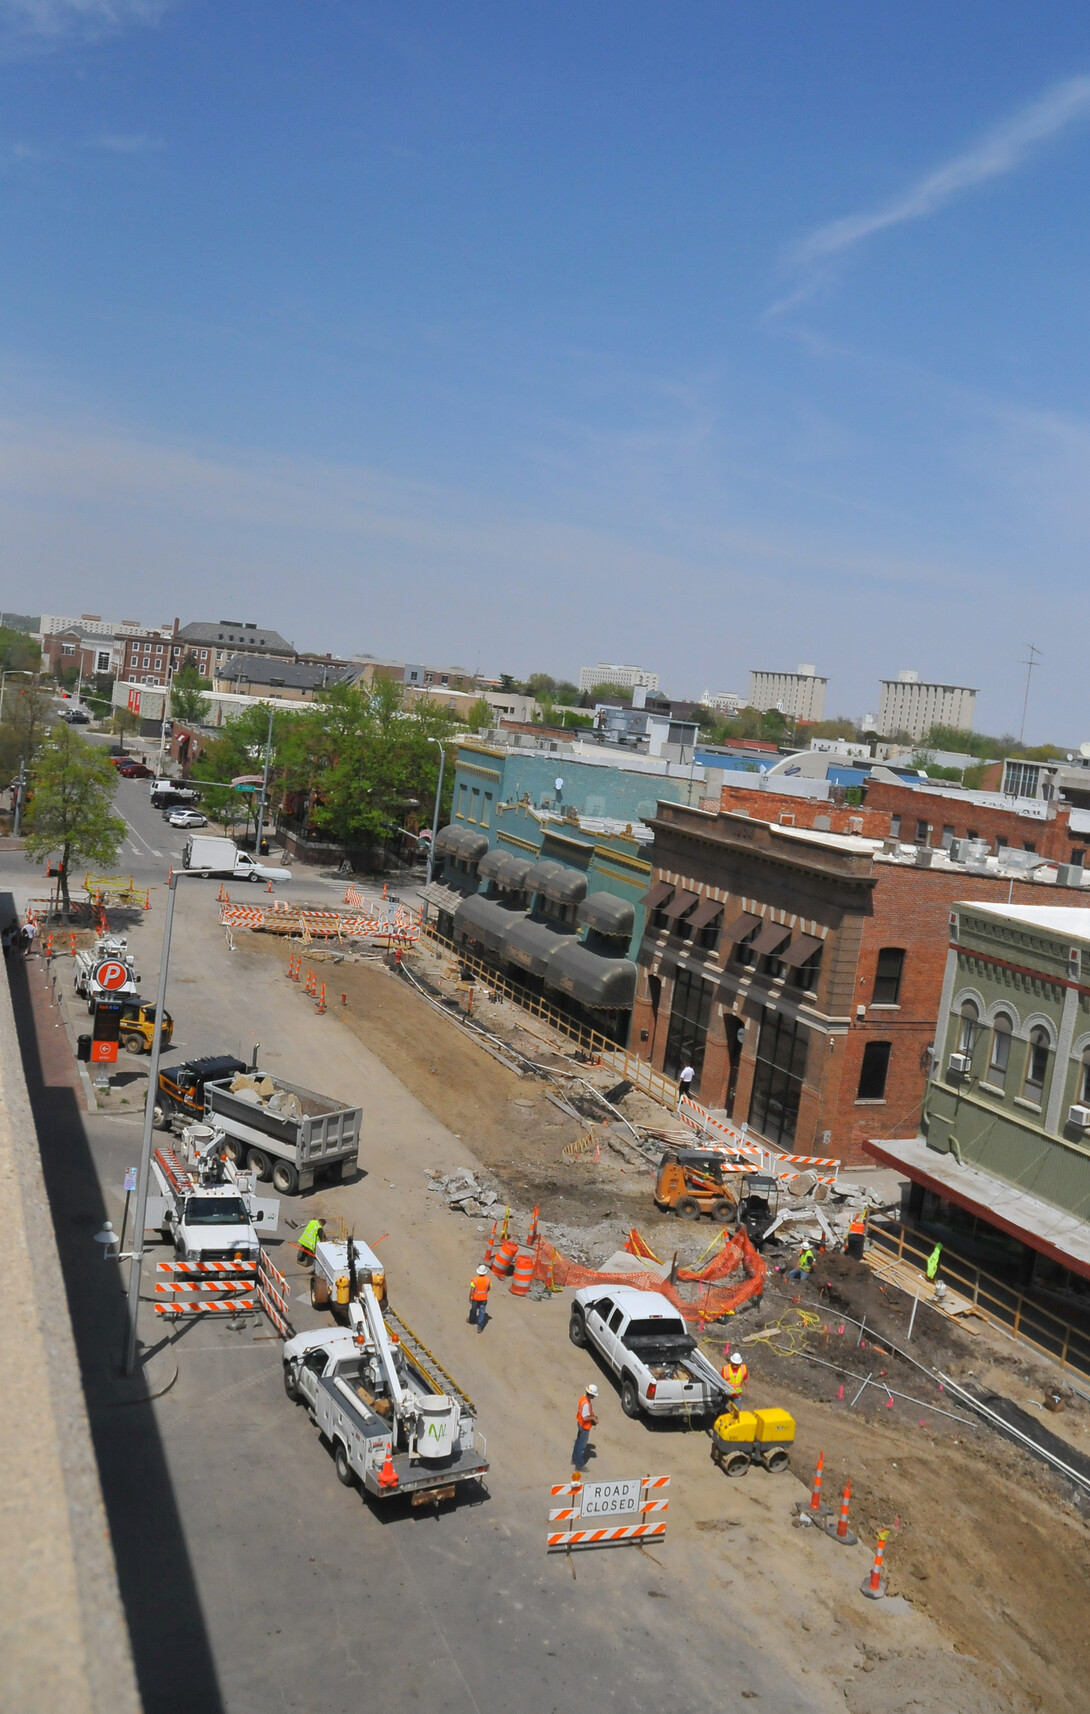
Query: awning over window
[[655, 894], [607, 913], [679, 904], [604, 983], [800, 950], [461, 842], [447, 898], [740, 927], [706, 911], [771, 938], [484, 921], [531, 943], [505, 869]]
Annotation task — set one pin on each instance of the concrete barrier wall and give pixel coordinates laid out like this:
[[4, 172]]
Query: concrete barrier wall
[[64, 1646]]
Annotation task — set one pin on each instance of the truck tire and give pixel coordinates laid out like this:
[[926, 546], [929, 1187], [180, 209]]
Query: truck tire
[[319, 1292], [577, 1328], [688, 1208], [345, 1472], [723, 1210], [258, 1162], [235, 1150], [160, 1118], [630, 1397], [133, 1044], [291, 1385], [285, 1178], [252, 877]]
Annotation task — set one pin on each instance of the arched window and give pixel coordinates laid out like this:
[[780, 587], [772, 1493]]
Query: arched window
[[1036, 1065], [1084, 1077], [1001, 1050], [969, 1026]]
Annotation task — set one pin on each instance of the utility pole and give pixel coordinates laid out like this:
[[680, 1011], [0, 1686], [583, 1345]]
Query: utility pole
[[19, 790], [264, 789], [438, 801], [1029, 665]]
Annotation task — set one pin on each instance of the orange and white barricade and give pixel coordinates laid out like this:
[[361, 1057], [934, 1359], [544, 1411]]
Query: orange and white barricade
[[228, 1287], [630, 1504]]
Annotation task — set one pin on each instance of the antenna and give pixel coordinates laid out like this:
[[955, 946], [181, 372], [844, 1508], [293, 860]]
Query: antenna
[[1029, 663]]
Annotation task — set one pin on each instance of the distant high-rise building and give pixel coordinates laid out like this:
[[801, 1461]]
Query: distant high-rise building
[[626, 678], [800, 695], [912, 707]]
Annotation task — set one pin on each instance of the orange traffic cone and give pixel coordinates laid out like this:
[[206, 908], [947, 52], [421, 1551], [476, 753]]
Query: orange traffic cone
[[320, 1007], [388, 1477], [839, 1530], [531, 1236], [873, 1585]]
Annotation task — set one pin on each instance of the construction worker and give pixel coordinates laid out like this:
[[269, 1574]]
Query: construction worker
[[478, 1298], [735, 1373], [585, 1420], [311, 1235], [933, 1261], [804, 1266], [856, 1239]]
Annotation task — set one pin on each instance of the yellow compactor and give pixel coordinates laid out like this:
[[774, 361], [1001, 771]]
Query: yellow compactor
[[744, 1437]]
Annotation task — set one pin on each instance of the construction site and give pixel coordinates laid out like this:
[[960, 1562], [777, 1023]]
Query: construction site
[[918, 1538]]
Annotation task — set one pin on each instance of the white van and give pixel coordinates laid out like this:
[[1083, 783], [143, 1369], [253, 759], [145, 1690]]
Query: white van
[[222, 859]]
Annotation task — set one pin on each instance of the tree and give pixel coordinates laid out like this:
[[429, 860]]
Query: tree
[[23, 730], [186, 700], [540, 685], [18, 652], [69, 812], [480, 716], [124, 721], [611, 693], [240, 749]]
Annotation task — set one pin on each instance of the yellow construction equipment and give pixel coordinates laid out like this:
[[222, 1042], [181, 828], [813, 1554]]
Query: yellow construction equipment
[[744, 1437]]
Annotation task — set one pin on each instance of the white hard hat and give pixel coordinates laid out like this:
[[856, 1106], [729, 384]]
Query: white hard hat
[[482, 1269], [592, 1391], [736, 1356]]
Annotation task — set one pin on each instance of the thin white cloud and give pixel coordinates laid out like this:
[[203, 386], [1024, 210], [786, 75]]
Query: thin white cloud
[[121, 144], [999, 152], [47, 21]]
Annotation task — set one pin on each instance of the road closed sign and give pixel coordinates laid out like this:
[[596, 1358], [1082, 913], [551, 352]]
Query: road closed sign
[[611, 1499], [110, 974]]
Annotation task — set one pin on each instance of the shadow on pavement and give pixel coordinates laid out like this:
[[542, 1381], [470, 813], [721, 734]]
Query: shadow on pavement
[[170, 1646]]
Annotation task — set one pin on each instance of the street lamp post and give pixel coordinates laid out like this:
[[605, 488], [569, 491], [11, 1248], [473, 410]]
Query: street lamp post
[[264, 790], [144, 1170], [438, 800]]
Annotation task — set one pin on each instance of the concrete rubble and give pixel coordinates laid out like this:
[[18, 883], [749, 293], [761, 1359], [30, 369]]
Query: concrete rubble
[[466, 1192]]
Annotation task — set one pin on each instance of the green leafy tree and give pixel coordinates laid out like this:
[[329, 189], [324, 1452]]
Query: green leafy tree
[[540, 685], [124, 722], [18, 652], [69, 813], [567, 694], [606, 692], [187, 701], [240, 749], [480, 716], [26, 705]]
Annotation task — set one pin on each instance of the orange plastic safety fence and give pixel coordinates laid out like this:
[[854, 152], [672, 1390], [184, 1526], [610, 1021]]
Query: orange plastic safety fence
[[710, 1301]]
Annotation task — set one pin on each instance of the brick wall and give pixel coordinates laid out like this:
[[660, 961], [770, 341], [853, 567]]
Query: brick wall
[[1051, 838], [805, 812]]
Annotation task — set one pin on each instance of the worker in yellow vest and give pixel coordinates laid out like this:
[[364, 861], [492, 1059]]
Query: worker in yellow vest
[[478, 1298], [735, 1373], [311, 1235]]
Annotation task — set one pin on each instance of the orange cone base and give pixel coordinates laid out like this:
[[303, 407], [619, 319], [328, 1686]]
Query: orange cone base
[[872, 1594], [848, 1539]]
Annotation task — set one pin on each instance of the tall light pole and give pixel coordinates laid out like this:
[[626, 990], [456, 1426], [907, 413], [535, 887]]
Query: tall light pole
[[264, 790], [144, 1171], [438, 801]]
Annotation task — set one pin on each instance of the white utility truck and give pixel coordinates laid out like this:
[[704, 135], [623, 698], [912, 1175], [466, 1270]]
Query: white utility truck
[[106, 971], [282, 1131], [396, 1422], [644, 1340], [222, 860], [205, 1206], [341, 1269]]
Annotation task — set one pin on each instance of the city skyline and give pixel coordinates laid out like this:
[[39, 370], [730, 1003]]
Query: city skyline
[[530, 341]]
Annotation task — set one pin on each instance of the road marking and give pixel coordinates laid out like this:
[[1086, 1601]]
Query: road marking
[[149, 848]]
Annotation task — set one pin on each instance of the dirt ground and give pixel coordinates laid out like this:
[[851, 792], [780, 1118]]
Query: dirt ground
[[985, 1539]]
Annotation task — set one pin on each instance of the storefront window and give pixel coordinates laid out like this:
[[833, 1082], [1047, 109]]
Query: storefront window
[[778, 1077], [690, 1009]]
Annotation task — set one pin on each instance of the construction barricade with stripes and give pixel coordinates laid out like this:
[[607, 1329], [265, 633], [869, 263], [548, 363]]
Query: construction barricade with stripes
[[720, 1133], [272, 1295], [206, 1288], [608, 1514]]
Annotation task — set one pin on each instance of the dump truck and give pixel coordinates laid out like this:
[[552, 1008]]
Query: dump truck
[[282, 1131], [396, 1422], [182, 1087], [205, 1206], [692, 1182]]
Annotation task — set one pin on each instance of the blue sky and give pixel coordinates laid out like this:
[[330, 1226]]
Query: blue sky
[[705, 336]]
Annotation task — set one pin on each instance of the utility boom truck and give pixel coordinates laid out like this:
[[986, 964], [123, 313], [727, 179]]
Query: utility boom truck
[[340, 1270], [643, 1339], [205, 1206], [394, 1425]]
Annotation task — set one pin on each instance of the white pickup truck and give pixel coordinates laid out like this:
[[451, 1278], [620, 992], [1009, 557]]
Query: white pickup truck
[[643, 1339], [208, 1211]]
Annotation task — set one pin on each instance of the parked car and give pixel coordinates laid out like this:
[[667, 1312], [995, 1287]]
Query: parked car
[[76, 716], [131, 769], [187, 818]]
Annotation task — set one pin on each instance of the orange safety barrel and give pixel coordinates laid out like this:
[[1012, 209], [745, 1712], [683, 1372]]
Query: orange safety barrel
[[523, 1274], [505, 1259]]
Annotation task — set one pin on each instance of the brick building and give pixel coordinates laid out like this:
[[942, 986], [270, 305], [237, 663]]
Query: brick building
[[151, 658], [77, 650], [921, 815], [800, 972]]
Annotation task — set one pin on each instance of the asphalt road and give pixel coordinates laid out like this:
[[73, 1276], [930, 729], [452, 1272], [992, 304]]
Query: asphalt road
[[252, 1580]]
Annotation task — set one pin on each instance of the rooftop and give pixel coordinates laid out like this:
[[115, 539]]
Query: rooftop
[[249, 636], [1062, 919], [294, 675]]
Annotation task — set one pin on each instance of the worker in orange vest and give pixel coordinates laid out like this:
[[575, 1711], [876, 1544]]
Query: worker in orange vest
[[735, 1373], [855, 1242], [478, 1298], [585, 1420]]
